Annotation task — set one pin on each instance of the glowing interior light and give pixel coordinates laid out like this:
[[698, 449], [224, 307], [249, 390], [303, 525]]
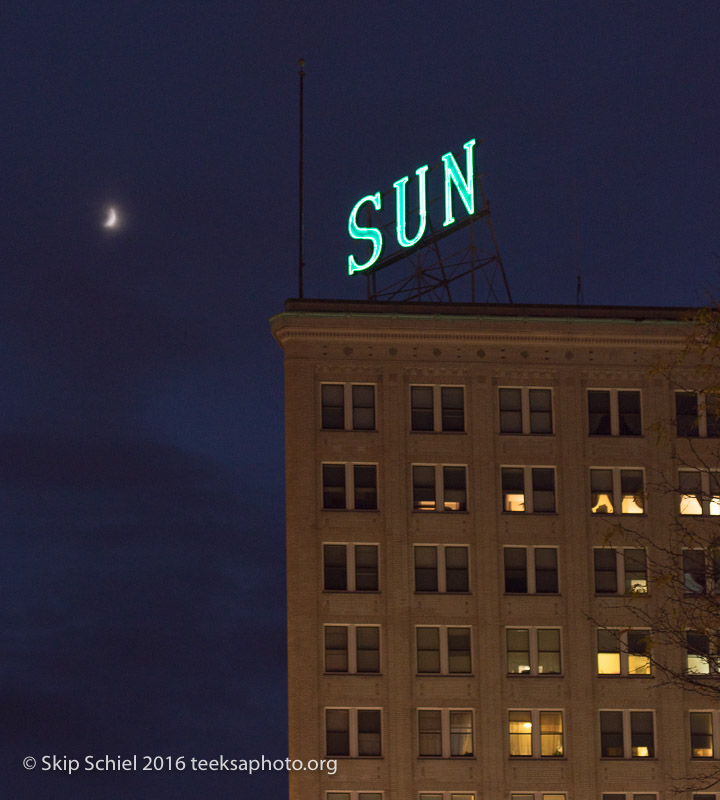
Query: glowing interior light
[[527, 724], [689, 504], [603, 504], [401, 208], [633, 504], [641, 752], [371, 234], [514, 502], [465, 186], [715, 506]]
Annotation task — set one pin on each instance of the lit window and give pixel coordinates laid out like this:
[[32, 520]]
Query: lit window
[[531, 570], [437, 408], [538, 796], [524, 410], [536, 734], [614, 412], [354, 732], [617, 491], [446, 796], [623, 652], [347, 406], [697, 414], [445, 733], [352, 648], [701, 734], [533, 651], [443, 650], [627, 734], [701, 571], [350, 567], [439, 487], [699, 492], [702, 653], [441, 568], [528, 489], [620, 570], [349, 486]]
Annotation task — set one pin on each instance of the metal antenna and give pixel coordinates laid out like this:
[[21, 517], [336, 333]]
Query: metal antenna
[[301, 223]]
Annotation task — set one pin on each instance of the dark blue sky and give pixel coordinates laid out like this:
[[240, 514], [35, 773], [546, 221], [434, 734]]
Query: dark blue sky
[[141, 411]]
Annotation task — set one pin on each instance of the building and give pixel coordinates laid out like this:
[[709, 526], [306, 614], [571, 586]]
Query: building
[[453, 474]]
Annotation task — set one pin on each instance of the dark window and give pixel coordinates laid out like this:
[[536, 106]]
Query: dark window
[[456, 569], [333, 406], [611, 734], [599, 413], [629, 422], [365, 479], [421, 400], [642, 737], [369, 741], [426, 573], [452, 403], [540, 410], [366, 568], [510, 410], [546, 571], [424, 488], [454, 488], [543, 480], [335, 571], [686, 414], [337, 731], [516, 570], [606, 571], [334, 486], [363, 407]]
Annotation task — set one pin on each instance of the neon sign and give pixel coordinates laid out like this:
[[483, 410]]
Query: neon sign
[[464, 187]]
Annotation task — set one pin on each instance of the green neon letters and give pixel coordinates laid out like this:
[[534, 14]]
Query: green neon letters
[[464, 186], [403, 241], [371, 234]]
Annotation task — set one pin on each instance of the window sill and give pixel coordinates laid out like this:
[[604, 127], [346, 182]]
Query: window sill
[[448, 758], [603, 514], [618, 595], [444, 674], [616, 435], [536, 594], [356, 674], [344, 510], [436, 511], [348, 430], [353, 591], [538, 758], [543, 675], [444, 433], [431, 592], [634, 677], [628, 758], [530, 514], [515, 433]]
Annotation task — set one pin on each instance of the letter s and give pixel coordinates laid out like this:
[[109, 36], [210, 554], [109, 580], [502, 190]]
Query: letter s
[[371, 234]]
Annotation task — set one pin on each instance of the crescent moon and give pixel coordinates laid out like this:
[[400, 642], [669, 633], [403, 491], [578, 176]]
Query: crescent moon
[[112, 219]]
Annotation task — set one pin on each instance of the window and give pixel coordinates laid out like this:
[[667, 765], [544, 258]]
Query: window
[[623, 652], [629, 796], [697, 414], [446, 796], [352, 648], [702, 653], [437, 487], [701, 571], [350, 567], [536, 734], [617, 491], [353, 732], [525, 410], [538, 796], [702, 734], [349, 486], [620, 570], [528, 489], [704, 797], [441, 568], [353, 796], [627, 734], [445, 733], [533, 651], [699, 492], [348, 406], [531, 570], [443, 650], [437, 408], [614, 412]]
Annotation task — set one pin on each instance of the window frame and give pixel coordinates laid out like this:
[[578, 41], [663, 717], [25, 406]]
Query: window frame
[[348, 406], [354, 731], [451, 795], [711, 572], [443, 651], [439, 409], [440, 500], [352, 794], [711, 654], [709, 503], [538, 795], [701, 428], [351, 566], [627, 733], [441, 568], [526, 413], [531, 569], [533, 632], [629, 795], [446, 733], [529, 498], [536, 734], [622, 637], [621, 573], [614, 411], [352, 647], [714, 716], [618, 495], [349, 488]]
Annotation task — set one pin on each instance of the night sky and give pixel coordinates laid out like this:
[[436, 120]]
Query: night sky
[[141, 427]]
